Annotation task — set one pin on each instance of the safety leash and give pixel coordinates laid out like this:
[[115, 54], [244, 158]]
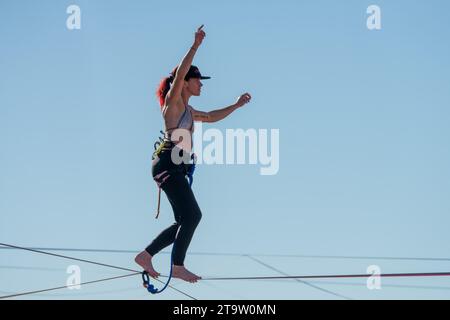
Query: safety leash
[[190, 169], [146, 278]]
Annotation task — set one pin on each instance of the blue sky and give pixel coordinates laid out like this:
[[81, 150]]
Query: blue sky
[[363, 120]]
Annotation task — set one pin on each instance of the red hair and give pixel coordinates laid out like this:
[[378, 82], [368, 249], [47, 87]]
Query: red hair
[[164, 87]]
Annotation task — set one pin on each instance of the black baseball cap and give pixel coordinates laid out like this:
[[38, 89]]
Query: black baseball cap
[[193, 72]]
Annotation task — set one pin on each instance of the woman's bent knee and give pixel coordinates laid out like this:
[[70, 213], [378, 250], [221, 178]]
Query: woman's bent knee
[[193, 218], [197, 217]]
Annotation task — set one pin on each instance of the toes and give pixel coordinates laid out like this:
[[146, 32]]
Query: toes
[[153, 274]]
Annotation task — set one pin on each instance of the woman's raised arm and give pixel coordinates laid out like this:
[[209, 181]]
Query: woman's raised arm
[[183, 68]]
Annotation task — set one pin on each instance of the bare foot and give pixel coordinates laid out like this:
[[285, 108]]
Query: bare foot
[[184, 274], [144, 259]]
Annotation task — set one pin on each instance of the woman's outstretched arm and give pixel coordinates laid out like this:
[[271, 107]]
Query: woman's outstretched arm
[[183, 68], [220, 114]]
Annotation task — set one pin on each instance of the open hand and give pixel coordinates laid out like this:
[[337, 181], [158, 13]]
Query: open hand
[[243, 99]]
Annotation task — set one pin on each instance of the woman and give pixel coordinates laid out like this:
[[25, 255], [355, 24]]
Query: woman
[[174, 93]]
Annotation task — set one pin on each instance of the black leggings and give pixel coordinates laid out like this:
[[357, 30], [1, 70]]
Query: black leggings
[[185, 208]]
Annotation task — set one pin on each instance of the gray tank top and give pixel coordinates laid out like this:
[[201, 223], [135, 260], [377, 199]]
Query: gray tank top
[[186, 122]]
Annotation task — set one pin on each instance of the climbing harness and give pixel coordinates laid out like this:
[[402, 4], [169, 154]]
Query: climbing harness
[[165, 144]]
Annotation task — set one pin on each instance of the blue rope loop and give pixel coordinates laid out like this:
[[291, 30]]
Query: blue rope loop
[[146, 278], [146, 283], [150, 287]]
